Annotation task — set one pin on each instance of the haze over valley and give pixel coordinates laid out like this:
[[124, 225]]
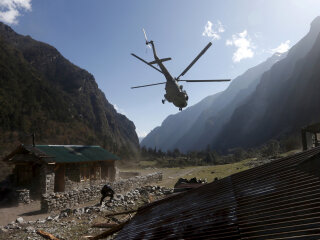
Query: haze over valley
[[222, 141], [269, 101]]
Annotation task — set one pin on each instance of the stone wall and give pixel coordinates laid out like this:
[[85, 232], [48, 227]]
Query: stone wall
[[58, 201], [126, 175], [73, 181], [47, 178], [72, 176]]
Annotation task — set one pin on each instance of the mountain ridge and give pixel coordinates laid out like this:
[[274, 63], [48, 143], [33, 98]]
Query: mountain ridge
[[216, 103], [291, 107], [211, 126], [55, 98]]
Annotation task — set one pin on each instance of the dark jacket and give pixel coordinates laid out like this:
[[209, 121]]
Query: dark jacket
[[106, 189]]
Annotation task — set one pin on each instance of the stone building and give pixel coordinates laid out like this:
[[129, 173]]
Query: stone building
[[310, 136], [58, 168]]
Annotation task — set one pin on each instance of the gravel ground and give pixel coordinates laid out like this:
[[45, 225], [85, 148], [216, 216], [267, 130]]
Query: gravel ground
[[76, 223]]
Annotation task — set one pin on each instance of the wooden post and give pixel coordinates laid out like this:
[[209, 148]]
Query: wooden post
[[46, 235], [316, 143], [304, 140]]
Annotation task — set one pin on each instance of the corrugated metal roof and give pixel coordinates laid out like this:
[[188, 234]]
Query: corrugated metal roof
[[279, 200], [64, 153], [75, 153]]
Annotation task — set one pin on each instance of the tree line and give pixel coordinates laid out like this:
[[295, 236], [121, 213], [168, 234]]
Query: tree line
[[208, 156]]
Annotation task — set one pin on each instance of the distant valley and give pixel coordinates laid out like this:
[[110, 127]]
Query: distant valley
[[270, 101]]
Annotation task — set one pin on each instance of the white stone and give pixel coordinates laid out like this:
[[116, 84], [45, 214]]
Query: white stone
[[19, 220], [30, 229], [3, 230]]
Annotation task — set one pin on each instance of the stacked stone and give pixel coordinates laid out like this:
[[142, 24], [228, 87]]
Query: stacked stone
[[130, 183], [58, 201], [23, 196], [130, 197], [47, 178], [127, 199]]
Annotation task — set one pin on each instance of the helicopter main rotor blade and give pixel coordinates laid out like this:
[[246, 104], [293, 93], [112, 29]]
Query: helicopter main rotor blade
[[195, 60], [216, 80], [146, 63], [148, 85]]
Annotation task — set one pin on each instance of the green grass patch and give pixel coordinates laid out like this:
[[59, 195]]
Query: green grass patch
[[286, 154], [145, 164], [219, 171]]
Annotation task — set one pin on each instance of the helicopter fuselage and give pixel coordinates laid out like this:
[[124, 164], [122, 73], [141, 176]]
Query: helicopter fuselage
[[174, 91]]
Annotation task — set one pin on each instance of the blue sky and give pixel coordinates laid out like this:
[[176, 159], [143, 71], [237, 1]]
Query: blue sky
[[99, 35]]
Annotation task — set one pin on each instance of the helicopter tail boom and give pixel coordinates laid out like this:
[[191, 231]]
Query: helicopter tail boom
[[142, 60], [161, 60]]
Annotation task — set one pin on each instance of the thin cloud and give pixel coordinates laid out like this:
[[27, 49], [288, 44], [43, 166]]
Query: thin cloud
[[141, 134], [282, 48], [213, 30], [119, 110], [10, 10], [244, 46]]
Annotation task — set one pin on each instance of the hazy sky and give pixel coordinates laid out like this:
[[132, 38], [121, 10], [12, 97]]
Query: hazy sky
[[99, 35]]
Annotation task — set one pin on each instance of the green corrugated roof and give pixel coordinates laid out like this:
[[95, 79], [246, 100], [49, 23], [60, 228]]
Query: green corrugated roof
[[75, 153]]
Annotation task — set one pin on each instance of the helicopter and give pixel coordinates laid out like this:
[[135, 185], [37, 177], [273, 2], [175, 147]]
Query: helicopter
[[174, 92]]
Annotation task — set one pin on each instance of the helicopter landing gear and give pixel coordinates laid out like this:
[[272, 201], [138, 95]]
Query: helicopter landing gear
[[163, 101], [180, 109]]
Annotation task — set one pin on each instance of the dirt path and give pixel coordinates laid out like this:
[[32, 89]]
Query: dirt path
[[29, 212]]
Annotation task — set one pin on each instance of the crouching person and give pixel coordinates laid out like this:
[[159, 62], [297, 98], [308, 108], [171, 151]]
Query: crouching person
[[106, 191]]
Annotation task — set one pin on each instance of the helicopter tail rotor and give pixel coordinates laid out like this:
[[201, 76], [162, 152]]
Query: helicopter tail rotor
[[145, 37]]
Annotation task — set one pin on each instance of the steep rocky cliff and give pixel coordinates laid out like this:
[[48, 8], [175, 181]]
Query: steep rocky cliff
[[42, 92], [272, 100], [286, 99]]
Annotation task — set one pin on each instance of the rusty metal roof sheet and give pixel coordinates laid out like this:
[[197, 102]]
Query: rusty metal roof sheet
[[279, 200]]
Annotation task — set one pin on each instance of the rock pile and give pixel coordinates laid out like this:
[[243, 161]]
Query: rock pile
[[127, 200], [68, 221], [23, 196], [191, 181], [62, 200]]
